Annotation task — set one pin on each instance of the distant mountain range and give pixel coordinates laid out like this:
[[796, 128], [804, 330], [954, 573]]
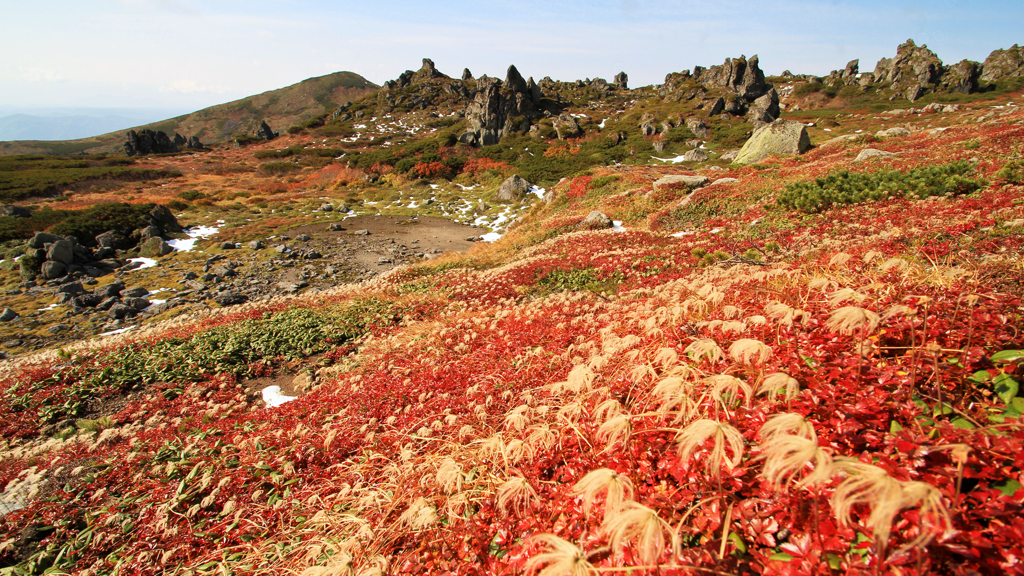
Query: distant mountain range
[[28, 133]]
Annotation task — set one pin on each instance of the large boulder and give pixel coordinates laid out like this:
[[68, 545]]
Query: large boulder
[[41, 239], [778, 137], [621, 81], [566, 126], [513, 188], [961, 77], [687, 180], [1002, 64], [596, 220], [154, 247], [109, 239], [265, 132], [52, 270], [61, 251], [699, 128]]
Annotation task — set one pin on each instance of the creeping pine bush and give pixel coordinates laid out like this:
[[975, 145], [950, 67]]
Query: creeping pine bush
[[845, 187], [1012, 172]]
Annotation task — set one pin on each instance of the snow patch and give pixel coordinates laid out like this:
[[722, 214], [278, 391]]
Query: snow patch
[[491, 237], [146, 263], [118, 331], [273, 397]]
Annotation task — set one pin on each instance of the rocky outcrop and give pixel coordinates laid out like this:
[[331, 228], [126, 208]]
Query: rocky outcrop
[[778, 137], [265, 132], [148, 142], [427, 72], [1002, 64], [621, 81], [499, 108], [740, 75], [596, 220], [566, 126], [193, 143]]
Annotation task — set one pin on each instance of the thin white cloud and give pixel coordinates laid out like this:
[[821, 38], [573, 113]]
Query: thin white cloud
[[192, 87]]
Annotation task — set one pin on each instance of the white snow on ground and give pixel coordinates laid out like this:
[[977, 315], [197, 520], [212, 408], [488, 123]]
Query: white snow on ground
[[273, 397], [491, 236], [601, 125], [50, 307], [675, 160], [153, 302], [681, 234], [617, 226], [194, 233], [146, 263], [466, 187], [539, 192], [118, 331]]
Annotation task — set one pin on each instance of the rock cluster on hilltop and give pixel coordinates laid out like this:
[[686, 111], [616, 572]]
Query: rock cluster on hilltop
[[157, 142], [501, 107], [916, 71]]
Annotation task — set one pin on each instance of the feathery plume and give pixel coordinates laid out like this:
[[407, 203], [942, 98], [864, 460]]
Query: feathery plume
[[633, 521], [561, 558], [849, 318], [699, 431], [750, 351], [777, 381], [787, 423], [704, 348], [516, 494], [618, 488], [786, 455]]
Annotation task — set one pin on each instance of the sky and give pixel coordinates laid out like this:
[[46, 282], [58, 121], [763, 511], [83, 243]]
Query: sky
[[189, 54]]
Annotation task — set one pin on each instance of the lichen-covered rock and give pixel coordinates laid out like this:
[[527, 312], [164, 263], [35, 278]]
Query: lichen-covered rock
[[1002, 64], [597, 220], [688, 180], [778, 137], [513, 188], [154, 247]]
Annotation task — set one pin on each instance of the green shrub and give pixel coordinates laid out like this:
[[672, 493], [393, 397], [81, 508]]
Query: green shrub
[[1012, 172], [845, 187], [191, 195], [278, 167], [87, 224]]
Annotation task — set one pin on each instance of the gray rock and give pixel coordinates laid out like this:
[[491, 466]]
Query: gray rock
[[699, 128], [868, 153], [566, 126], [112, 289], [724, 181], [695, 156], [621, 81], [362, 232], [716, 107], [513, 188], [596, 220], [647, 128], [154, 248], [231, 299], [335, 227], [58, 328], [280, 248], [779, 137], [7, 315], [108, 303], [384, 260], [41, 239], [147, 233], [227, 246], [895, 132], [134, 292], [53, 270], [327, 207], [162, 307], [61, 251], [120, 310], [137, 304], [256, 245], [675, 180], [740, 75], [729, 156], [15, 211], [71, 288], [302, 238], [264, 132]]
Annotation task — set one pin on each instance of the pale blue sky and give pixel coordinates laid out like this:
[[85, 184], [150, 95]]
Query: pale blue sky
[[189, 54]]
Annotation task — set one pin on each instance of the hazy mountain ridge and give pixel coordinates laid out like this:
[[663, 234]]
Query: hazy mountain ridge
[[283, 107]]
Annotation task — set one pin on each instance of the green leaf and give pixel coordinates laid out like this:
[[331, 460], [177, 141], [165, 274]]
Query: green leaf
[[736, 539], [895, 427], [780, 556], [980, 377], [834, 561], [1008, 356], [1006, 388], [962, 423], [1008, 487]]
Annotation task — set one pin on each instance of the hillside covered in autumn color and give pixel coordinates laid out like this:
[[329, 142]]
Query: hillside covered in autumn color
[[656, 354]]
